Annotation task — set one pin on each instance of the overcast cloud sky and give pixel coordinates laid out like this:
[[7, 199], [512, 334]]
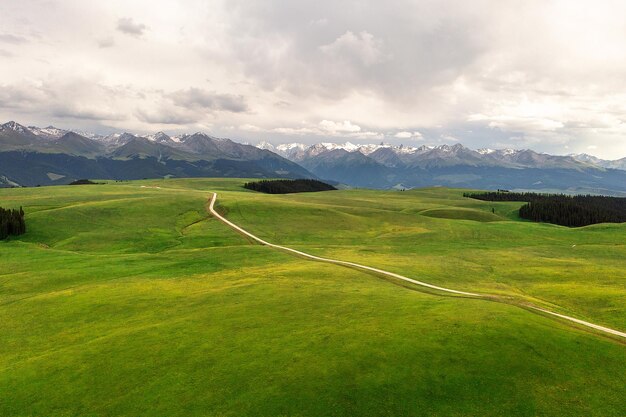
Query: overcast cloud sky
[[540, 74]]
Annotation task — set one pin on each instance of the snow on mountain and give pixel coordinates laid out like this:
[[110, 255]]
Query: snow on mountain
[[161, 137], [15, 127], [405, 150], [583, 157], [290, 149], [593, 160], [265, 145], [368, 149], [617, 164], [49, 132], [290, 146], [350, 147], [507, 151], [116, 139], [89, 135], [442, 155], [390, 155], [199, 135], [111, 137], [299, 151], [320, 148], [399, 150]]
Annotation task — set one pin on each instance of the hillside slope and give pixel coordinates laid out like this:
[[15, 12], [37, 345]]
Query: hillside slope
[[127, 299]]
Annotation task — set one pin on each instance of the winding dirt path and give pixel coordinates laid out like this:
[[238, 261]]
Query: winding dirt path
[[447, 291]]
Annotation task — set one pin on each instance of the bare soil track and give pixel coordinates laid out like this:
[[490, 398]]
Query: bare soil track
[[402, 278]]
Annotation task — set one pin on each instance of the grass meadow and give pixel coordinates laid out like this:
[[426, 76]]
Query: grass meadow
[[127, 299]]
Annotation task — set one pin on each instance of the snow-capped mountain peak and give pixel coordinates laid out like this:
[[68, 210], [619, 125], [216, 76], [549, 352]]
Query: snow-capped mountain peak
[[159, 137], [265, 145], [15, 127], [49, 132], [584, 157], [112, 136], [328, 145], [348, 146], [290, 146], [370, 148], [89, 135], [405, 150]]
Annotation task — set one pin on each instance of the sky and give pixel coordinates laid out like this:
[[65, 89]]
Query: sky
[[545, 75]]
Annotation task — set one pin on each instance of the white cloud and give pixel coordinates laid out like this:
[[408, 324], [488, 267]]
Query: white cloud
[[362, 47], [518, 123], [449, 138], [128, 26], [328, 129], [338, 127], [297, 131], [408, 135], [249, 128], [402, 135]]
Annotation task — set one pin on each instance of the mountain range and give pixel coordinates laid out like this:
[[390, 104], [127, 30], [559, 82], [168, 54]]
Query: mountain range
[[387, 166], [425, 156], [43, 156]]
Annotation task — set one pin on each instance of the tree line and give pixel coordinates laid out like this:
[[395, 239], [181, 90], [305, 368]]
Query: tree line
[[288, 186], [82, 182], [561, 209], [11, 222]]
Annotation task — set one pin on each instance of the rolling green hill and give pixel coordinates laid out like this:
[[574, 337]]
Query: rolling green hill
[[127, 299]]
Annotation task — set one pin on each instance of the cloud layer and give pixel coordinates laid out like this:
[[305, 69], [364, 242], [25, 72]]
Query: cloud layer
[[550, 75]]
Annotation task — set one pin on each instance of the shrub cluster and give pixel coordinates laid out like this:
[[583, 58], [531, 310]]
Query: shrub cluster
[[11, 222], [564, 210], [288, 186]]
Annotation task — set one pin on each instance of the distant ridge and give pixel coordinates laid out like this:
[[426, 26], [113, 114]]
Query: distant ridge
[[388, 166], [43, 156], [521, 158]]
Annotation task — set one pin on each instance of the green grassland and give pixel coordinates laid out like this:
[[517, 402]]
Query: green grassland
[[124, 299]]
